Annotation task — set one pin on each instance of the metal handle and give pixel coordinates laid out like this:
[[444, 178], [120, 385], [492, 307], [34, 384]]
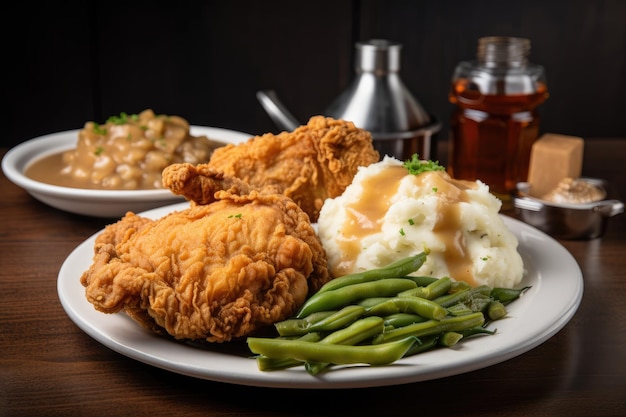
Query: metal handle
[[276, 110]]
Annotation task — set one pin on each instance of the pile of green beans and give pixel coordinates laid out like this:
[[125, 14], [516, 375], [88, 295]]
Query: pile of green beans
[[380, 316]]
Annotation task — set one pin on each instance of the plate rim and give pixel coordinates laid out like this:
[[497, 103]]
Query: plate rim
[[191, 361]]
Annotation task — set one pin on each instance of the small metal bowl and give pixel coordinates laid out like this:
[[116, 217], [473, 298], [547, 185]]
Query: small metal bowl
[[567, 221]]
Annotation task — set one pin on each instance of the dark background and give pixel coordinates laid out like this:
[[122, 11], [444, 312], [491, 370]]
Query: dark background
[[69, 62]]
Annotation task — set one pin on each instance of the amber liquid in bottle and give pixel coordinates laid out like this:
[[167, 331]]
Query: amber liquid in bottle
[[492, 135]]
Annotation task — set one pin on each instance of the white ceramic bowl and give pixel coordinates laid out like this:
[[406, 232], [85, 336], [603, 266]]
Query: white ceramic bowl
[[96, 203]]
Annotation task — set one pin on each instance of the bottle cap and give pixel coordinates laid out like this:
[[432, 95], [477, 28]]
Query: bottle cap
[[497, 51]]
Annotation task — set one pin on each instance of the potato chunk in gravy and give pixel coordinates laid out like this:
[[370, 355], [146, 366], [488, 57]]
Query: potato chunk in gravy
[[128, 152]]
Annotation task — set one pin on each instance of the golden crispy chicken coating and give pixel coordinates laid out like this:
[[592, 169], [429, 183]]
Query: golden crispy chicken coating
[[244, 260], [314, 162]]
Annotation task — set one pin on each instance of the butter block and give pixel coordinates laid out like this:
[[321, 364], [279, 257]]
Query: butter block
[[552, 158]]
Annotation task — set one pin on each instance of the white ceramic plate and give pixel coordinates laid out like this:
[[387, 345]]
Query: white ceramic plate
[[557, 288], [96, 203]]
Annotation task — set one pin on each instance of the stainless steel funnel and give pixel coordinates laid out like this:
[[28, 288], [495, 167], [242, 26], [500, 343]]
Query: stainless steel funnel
[[376, 100]]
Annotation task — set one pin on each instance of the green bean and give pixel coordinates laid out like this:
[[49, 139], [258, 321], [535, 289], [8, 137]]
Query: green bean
[[460, 296], [295, 327], [432, 327], [265, 363], [507, 295], [420, 306], [332, 299], [496, 310], [459, 309], [340, 319], [402, 319], [449, 339], [479, 302], [431, 291], [476, 330], [425, 343], [459, 286], [379, 316], [396, 269], [273, 364], [473, 303], [356, 333], [375, 355], [413, 292], [372, 301], [319, 315], [334, 321], [422, 280]]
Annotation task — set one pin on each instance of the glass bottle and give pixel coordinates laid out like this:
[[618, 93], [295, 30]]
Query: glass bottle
[[495, 120]]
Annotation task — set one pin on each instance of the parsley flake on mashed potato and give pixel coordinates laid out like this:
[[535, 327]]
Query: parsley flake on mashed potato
[[393, 210]]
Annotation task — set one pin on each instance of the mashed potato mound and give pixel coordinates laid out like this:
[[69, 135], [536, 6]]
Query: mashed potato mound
[[387, 214]]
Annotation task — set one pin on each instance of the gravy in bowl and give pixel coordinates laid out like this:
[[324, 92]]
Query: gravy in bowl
[[128, 152]]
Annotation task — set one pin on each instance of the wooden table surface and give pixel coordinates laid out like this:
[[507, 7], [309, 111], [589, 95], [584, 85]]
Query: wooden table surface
[[49, 367]]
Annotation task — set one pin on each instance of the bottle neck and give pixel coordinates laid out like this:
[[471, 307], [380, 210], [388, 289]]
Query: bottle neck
[[501, 68], [503, 52]]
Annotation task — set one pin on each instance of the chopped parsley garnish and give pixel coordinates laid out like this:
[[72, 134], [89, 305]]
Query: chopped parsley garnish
[[238, 216], [99, 151], [411, 222], [402, 232], [99, 129], [123, 118], [417, 166]]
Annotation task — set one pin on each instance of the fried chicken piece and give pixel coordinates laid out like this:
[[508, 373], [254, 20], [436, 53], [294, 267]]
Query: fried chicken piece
[[314, 162], [215, 272]]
